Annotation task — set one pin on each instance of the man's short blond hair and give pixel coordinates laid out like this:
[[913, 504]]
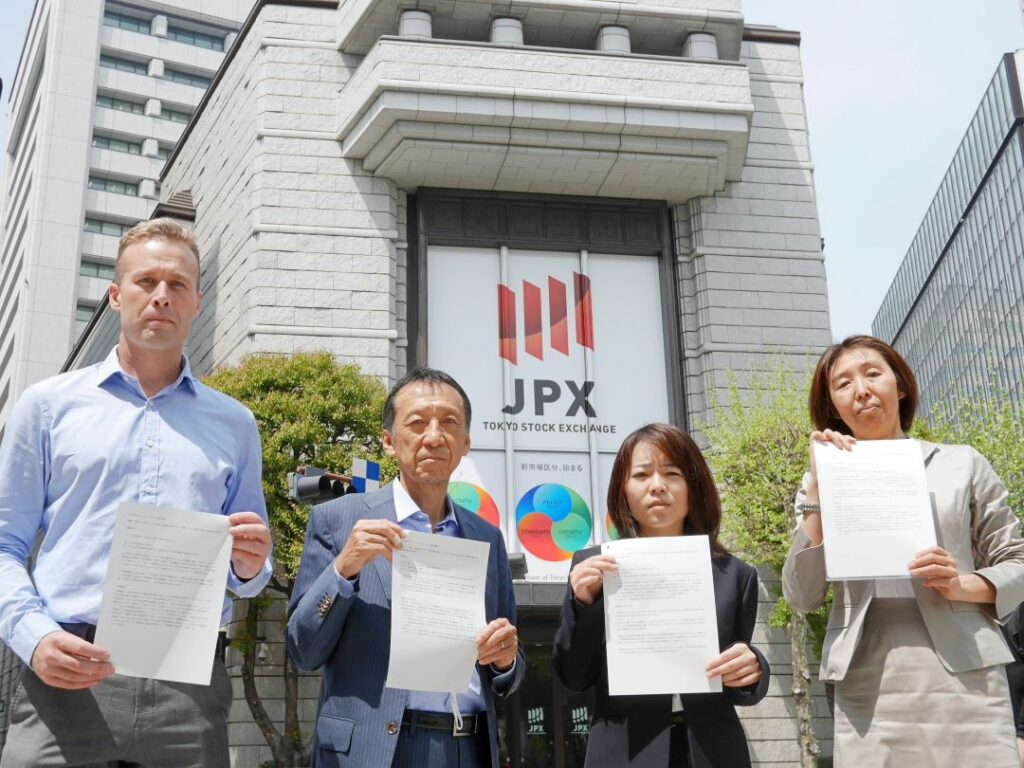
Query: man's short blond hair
[[156, 229]]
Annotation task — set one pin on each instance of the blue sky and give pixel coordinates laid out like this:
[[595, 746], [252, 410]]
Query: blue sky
[[890, 86]]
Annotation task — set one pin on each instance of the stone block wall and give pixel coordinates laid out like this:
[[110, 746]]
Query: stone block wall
[[751, 270], [301, 246]]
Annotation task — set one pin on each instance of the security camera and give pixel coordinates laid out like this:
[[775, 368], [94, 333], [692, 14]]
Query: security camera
[[264, 655]]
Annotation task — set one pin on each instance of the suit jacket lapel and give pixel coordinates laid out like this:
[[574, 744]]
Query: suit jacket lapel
[[469, 525], [383, 506]]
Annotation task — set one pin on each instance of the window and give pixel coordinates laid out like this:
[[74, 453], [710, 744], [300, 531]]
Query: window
[[103, 227], [186, 78], [553, 381], [198, 39], [121, 105], [123, 65], [117, 145], [163, 153], [113, 185], [175, 115], [96, 269], [83, 312], [122, 21]]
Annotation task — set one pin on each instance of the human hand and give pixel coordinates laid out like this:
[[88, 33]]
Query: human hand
[[250, 545], [737, 665], [368, 539], [938, 570], [587, 577], [497, 644], [838, 439], [67, 661]]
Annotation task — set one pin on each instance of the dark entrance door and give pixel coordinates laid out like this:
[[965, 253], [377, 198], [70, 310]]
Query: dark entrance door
[[542, 725]]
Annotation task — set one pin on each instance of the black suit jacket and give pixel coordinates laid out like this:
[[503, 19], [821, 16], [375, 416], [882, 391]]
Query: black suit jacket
[[634, 730]]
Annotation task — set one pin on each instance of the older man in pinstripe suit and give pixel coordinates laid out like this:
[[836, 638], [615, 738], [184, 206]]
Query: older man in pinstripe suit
[[340, 612]]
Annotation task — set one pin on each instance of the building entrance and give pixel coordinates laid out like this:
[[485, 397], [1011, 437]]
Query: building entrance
[[543, 725]]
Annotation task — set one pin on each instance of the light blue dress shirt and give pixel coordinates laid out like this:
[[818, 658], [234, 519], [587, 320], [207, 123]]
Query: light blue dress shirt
[[77, 445], [411, 518]]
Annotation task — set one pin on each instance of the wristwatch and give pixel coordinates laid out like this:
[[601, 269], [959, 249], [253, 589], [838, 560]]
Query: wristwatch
[[806, 506]]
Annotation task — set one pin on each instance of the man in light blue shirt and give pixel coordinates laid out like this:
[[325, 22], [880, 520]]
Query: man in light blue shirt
[[137, 427]]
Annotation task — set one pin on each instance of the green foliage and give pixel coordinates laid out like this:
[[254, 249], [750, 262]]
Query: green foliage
[[759, 455], [991, 427], [309, 410]]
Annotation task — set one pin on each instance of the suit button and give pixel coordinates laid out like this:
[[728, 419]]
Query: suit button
[[392, 728]]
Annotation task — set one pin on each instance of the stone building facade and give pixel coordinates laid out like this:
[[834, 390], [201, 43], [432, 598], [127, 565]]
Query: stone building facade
[[346, 155]]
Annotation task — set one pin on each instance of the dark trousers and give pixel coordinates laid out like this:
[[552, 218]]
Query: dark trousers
[[419, 748]]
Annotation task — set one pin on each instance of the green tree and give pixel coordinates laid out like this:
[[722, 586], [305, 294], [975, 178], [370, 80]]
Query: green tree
[[992, 428], [759, 455], [309, 410]]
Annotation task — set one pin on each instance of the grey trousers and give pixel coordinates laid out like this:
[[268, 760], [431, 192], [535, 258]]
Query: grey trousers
[[122, 721]]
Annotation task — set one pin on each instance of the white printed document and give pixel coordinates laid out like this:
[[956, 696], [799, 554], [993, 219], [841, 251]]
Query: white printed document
[[164, 592], [661, 628], [875, 510], [437, 609]]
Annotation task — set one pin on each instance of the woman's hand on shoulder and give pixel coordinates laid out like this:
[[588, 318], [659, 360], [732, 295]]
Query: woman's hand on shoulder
[[587, 577], [737, 665]]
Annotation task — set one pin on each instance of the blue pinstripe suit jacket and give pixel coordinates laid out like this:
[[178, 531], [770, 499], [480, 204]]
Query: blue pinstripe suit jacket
[[352, 640]]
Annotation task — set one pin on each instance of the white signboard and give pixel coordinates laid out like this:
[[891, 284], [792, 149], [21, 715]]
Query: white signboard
[[562, 355]]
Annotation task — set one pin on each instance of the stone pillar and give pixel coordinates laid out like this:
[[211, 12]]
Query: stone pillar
[[415, 25], [153, 108], [612, 39], [150, 147], [700, 45], [507, 30], [156, 68]]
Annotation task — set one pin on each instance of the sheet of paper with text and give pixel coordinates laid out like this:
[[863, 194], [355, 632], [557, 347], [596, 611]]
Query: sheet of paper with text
[[164, 592], [876, 513], [437, 608], [661, 628]]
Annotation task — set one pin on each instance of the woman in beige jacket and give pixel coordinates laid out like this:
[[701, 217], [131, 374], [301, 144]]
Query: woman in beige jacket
[[917, 663]]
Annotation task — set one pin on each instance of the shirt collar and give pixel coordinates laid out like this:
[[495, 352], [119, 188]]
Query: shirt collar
[[110, 368], [405, 506]]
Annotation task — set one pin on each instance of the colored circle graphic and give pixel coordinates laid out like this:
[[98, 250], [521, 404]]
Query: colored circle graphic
[[610, 529], [553, 521], [476, 500]]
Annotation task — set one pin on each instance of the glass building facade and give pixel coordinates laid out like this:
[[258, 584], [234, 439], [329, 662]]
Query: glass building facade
[[955, 310]]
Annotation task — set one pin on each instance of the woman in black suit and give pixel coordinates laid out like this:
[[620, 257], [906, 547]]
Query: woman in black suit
[[661, 486]]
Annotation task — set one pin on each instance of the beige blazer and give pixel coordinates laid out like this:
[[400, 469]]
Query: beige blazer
[[973, 522]]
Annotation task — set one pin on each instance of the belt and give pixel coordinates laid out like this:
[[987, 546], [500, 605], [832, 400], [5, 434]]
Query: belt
[[88, 633], [439, 721]]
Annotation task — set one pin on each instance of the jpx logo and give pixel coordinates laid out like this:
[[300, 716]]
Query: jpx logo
[[533, 323], [546, 391]]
